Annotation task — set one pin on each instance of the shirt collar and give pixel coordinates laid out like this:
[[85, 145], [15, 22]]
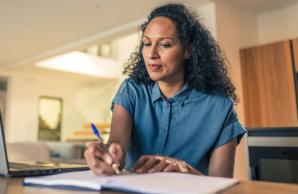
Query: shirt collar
[[156, 94], [181, 96]]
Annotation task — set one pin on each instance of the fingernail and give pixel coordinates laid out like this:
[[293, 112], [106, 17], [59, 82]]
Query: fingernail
[[109, 160], [151, 170]]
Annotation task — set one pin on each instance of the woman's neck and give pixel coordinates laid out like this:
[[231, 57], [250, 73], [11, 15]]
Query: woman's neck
[[170, 89]]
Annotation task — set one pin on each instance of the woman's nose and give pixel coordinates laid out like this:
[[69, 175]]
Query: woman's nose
[[153, 53]]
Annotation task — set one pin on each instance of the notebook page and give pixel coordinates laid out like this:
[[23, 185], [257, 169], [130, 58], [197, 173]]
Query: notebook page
[[170, 183], [83, 179]]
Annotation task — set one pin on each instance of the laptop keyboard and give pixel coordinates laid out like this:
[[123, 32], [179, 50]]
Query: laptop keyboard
[[15, 165]]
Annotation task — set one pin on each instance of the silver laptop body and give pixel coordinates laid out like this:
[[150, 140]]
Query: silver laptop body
[[30, 168]]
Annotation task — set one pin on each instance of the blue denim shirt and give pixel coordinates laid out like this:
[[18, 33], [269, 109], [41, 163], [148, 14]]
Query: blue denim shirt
[[187, 126]]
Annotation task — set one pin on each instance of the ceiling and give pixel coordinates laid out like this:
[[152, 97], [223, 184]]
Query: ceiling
[[261, 6], [32, 30]]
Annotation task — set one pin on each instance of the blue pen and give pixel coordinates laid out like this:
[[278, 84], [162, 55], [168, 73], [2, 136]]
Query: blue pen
[[96, 132]]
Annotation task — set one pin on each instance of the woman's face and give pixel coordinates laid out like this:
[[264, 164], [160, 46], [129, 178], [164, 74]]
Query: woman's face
[[162, 51]]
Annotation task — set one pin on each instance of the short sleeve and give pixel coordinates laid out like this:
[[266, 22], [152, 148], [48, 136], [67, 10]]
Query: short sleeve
[[123, 98], [231, 129]]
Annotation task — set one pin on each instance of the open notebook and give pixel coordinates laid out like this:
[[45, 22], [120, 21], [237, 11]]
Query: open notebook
[[171, 183]]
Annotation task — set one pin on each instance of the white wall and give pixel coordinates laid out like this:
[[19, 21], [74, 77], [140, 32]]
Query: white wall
[[82, 102], [207, 16], [278, 25], [236, 28], [124, 46]]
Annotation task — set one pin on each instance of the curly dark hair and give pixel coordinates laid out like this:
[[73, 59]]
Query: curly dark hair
[[206, 70]]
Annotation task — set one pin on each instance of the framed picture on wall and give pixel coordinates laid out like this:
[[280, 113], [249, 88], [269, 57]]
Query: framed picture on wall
[[49, 118]]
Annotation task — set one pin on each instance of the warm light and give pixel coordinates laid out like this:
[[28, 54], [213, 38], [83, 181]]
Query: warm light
[[79, 62]]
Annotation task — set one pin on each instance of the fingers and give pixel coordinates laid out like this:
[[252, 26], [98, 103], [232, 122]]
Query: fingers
[[151, 163], [183, 167], [177, 166], [98, 159], [165, 164], [144, 164], [139, 163], [172, 167], [159, 167], [100, 151], [116, 152]]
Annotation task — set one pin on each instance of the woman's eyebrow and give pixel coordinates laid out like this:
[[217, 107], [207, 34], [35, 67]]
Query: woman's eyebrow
[[162, 37]]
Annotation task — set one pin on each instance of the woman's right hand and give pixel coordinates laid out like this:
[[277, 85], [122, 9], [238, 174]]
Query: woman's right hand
[[100, 160]]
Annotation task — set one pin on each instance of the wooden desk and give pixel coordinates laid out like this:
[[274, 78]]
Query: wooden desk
[[14, 186]]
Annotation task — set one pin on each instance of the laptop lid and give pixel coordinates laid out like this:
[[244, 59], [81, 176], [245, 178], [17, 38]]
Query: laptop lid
[[3, 153]]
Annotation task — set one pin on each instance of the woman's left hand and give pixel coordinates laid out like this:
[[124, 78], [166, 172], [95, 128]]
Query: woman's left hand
[[157, 163]]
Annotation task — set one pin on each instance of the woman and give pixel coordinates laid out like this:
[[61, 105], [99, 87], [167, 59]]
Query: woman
[[175, 111]]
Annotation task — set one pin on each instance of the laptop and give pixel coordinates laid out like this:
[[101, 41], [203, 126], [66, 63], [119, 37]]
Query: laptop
[[31, 168]]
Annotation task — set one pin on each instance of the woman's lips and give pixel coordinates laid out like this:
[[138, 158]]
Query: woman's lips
[[155, 67]]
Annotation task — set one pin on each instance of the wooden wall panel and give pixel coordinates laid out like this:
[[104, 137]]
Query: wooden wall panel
[[295, 52], [269, 86]]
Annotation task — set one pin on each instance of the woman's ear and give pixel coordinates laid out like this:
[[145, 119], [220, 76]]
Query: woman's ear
[[187, 53]]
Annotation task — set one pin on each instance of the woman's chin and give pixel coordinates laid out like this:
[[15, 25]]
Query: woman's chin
[[155, 78]]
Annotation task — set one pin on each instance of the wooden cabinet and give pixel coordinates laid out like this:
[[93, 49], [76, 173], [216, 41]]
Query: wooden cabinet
[[295, 53], [269, 84]]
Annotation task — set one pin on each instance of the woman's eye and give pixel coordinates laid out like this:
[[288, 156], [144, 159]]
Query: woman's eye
[[146, 44], [165, 45]]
